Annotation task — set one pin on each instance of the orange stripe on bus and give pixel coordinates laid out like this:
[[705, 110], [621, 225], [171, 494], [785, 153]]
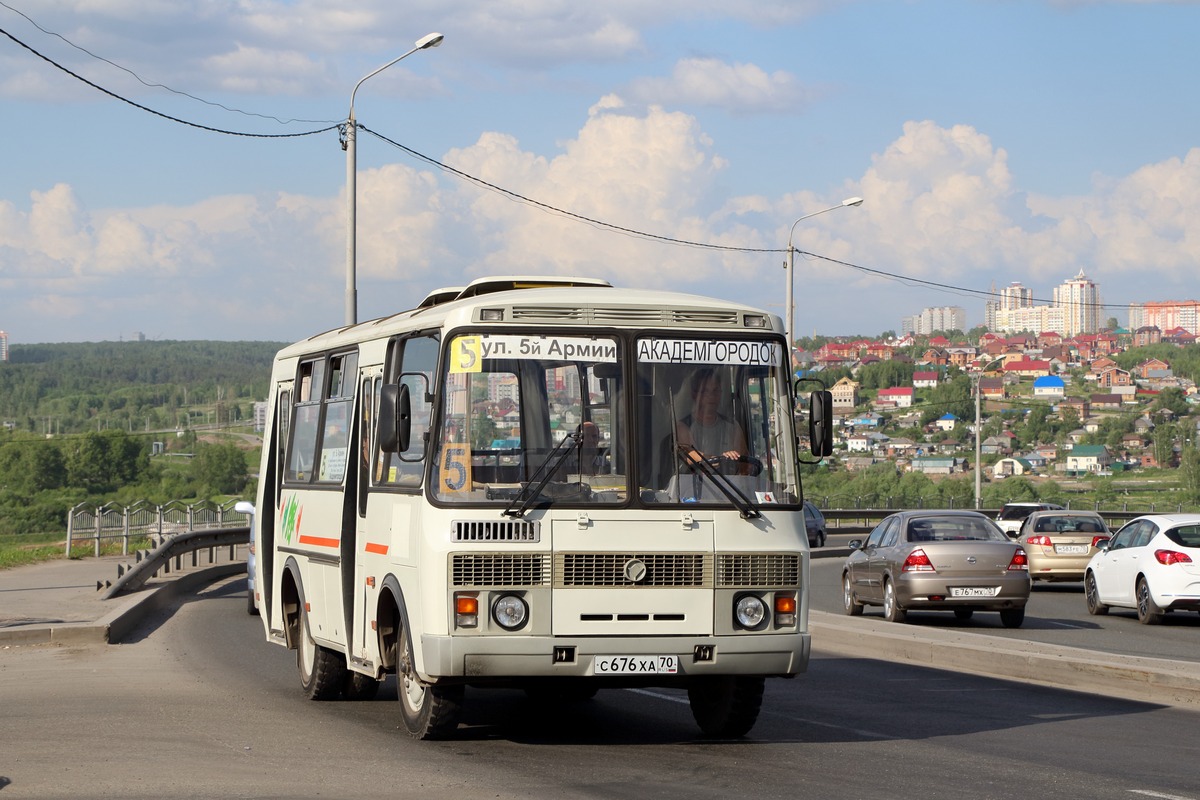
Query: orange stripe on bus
[[380, 549], [319, 541]]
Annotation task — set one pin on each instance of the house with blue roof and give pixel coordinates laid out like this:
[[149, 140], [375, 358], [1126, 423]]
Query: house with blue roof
[[1049, 387]]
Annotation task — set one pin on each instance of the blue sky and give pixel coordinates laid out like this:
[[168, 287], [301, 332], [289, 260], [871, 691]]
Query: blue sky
[[991, 141]]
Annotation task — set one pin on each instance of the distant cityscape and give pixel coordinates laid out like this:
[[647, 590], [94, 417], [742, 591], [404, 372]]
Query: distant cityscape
[[1076, 308]]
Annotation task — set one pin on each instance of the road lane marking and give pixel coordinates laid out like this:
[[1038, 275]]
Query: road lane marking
[[1148, 793]]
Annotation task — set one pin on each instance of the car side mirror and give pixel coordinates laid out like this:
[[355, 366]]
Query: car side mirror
[[855, 544]]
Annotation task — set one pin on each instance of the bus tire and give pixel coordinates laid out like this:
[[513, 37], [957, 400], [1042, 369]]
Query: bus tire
[[358, 686], [428, 711], [322, 671], [726, 706]]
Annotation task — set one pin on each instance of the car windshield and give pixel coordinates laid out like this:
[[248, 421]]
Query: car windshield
[[1011, 512], [953, 529]]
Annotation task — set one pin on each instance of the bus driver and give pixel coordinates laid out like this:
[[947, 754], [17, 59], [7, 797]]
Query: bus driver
[[705, 433]]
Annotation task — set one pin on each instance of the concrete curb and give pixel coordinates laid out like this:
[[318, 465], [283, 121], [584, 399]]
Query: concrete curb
[[1134, 678], [124, 618]]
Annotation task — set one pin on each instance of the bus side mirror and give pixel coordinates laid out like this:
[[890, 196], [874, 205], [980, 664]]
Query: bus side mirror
[[820, 422], [395, 418]]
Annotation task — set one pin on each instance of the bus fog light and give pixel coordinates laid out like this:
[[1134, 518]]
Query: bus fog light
[[466, 611], [750, 611], [510, 612]]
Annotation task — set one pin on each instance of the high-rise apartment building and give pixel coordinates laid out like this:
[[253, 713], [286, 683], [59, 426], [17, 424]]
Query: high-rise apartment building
[[997, 313], [944, 318], [1079, 298], [3, 346], [1165, 315]]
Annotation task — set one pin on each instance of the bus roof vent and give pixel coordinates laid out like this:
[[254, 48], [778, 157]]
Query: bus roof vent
[[549, 313], [507, 283], [692, 316], [632, 315]]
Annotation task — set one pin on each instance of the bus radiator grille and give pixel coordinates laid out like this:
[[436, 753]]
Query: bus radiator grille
[[748, 570], [633, 569], [499, 569], [496, 530]]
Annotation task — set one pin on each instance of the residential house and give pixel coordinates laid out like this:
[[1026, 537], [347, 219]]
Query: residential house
[[935, 356], [1008, 467], [1089, 458], [925, 380], [1049, 387], [845, 395], [869, 419], [994, 445], [858, 443], [946, 422], [1181, 337], [896, 397], [1101, 364], [1082, 407], [857, 463], [1153, 369], [1027, 368], [1106, 402], [937, 465], [1114, 377], [992, 388], [901, 448], [1147, 335]]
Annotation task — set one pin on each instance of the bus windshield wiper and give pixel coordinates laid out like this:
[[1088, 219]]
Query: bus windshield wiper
[[550, 464], [745, 506]]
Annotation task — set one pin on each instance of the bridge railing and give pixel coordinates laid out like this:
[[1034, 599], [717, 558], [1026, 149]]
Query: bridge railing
[[111, 522]]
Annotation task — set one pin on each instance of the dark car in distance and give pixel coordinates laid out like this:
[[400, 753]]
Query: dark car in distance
[[814, 523]]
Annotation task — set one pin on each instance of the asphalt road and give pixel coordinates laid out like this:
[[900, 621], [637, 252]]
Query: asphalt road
[[196, 704], [1056, 614]]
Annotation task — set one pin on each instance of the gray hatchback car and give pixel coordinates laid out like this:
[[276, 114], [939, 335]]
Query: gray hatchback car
[[956, 561]]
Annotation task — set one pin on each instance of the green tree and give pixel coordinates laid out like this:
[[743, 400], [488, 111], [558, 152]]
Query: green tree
[[221, 468]]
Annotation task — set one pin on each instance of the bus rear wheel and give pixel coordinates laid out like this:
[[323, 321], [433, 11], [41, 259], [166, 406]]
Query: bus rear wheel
[[322, 671], [429, 711], [726, 706]]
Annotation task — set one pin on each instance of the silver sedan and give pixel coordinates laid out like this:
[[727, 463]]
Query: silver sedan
[[937, 560]]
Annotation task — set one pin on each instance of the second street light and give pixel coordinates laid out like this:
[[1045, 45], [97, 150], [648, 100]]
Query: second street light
[[348, 144], [790, 266]]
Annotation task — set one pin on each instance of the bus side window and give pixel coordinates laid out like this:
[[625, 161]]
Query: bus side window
[[405, 469], [302, 450]]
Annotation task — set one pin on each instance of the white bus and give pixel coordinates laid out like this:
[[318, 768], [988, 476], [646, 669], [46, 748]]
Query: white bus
[[546, 483]]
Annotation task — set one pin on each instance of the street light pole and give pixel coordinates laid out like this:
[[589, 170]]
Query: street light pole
[[348, 144], [791, 263]]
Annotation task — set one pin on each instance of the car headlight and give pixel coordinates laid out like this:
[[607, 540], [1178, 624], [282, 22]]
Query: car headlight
[[510, 611], [750, 611]]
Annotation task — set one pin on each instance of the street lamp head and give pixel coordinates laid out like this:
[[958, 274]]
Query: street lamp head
[[852, 201], [433, 40]]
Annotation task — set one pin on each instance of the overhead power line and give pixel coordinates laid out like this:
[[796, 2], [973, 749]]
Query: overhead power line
[[510, 194]]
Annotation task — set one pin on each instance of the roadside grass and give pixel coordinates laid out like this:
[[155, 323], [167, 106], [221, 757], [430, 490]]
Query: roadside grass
[[32, 548]]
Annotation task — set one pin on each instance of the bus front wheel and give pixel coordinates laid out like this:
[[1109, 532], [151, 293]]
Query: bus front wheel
[[428, 711], [726, 706]]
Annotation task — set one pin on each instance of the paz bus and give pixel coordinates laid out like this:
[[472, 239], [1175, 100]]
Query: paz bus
[[508, 485]]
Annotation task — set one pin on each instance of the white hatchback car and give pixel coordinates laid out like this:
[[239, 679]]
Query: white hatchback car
[[1151, 565]]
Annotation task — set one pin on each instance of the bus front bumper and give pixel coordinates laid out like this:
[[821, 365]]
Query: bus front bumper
[[502, 657]]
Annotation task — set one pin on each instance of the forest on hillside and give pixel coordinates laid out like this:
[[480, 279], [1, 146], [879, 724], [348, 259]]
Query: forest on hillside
[[132, 386]]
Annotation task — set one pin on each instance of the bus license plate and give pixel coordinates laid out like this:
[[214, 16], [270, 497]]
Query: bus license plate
[[975, 591], [636, 665]]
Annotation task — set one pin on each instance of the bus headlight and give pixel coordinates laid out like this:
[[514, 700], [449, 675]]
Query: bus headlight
[[510, 612], [750, 611]]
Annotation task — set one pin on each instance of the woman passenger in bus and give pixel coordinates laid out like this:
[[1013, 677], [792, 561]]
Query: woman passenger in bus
[[706, 433]]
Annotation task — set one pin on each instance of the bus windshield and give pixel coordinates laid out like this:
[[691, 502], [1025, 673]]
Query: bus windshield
[[714, 418], [519, 408], [531, 420]]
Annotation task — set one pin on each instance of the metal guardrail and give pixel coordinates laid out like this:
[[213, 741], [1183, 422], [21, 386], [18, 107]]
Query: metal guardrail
[[862, 520], [141, 520], [172, 549]]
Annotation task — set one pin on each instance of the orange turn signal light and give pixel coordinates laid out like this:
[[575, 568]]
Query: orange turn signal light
[[464, 604], [785, 604]]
